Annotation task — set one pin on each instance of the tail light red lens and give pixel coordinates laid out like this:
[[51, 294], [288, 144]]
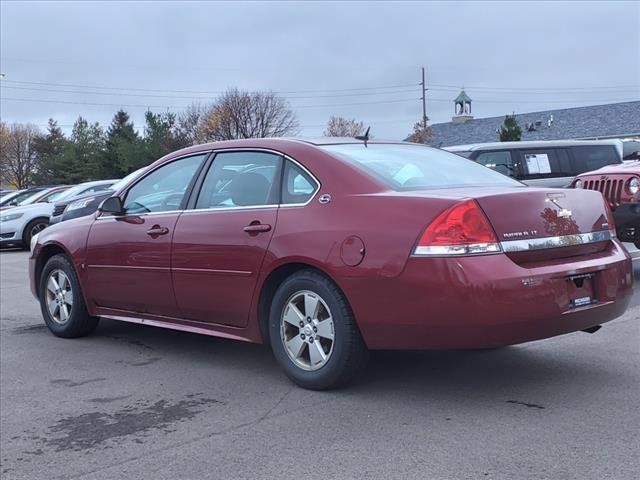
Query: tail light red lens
[[462, 229]]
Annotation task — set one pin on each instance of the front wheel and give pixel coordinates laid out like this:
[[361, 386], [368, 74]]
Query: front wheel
[[34, 227], [313, 332], [61, 300]]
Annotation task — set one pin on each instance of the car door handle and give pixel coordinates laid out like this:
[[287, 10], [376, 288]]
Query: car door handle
[[257, 228], [156, 230]]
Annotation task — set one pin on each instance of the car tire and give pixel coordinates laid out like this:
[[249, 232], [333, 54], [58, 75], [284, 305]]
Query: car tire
[[61, 300], [33, 227], [325, 349]]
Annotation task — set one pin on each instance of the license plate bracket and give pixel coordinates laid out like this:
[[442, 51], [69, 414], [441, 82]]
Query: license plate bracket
[[580, 289]]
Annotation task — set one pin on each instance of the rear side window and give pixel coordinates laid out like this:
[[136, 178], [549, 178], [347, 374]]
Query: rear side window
[[241, 179], [588, 157], [414, 167], [298, 186], [547, 163], [500, 161]]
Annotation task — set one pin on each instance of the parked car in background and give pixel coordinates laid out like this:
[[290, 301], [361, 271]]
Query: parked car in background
[[87, 203], [43, 196], [19, 224], [14, 198], [543, 163], [326, 249], [620, 186]]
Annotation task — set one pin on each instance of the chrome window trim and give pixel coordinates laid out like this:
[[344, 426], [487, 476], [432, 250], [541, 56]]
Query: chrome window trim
[[143, 214], [214, 209], [226, 209], [556, 242]]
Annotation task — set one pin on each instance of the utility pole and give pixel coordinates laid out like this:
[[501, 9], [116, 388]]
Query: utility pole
[[424, 101]]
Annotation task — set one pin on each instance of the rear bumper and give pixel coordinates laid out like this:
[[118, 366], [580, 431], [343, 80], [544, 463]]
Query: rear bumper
[[486, 301], [627, 219]]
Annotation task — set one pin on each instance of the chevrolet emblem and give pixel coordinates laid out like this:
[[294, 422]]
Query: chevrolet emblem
[[564, 213]]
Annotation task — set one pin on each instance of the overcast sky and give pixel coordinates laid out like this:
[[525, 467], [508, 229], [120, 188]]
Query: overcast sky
[[359, 59]]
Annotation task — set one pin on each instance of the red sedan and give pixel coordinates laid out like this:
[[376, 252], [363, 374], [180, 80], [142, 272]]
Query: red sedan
[[327, 249]]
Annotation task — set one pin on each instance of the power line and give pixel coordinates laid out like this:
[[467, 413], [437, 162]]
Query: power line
[[40, 100], [81, 92], [203, 92], [440, 87], [603, 89]]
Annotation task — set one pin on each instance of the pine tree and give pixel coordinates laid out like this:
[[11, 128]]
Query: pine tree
[[88, 148], [52, 155], [122, 147], [161, 136], [510, 130]]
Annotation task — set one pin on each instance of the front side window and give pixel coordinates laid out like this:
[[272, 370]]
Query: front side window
[[298, 186], [414, 167], [163, 189], [241, 179], [500, 161]]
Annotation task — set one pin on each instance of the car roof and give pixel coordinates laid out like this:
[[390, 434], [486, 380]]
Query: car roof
[[531, 144], [273, 143]]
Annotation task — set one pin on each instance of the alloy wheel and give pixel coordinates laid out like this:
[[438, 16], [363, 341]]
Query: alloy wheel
[[37, 228], [307, 330], [59, 296]]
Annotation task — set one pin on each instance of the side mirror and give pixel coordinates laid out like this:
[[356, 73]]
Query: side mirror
[[112, 206]]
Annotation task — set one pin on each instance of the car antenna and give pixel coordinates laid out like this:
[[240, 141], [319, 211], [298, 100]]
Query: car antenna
[[365, 137]]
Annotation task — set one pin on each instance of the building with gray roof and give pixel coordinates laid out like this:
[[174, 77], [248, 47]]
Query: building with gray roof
[[613, 120]]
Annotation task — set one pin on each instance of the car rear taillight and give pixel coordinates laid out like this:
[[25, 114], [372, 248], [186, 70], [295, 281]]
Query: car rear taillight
[[462, 229]]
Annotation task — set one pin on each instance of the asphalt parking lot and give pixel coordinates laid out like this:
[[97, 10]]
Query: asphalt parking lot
[[140, 402]]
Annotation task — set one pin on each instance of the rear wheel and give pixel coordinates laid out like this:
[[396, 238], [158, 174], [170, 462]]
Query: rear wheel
[[313, 332], [61, 300], [34, 227]]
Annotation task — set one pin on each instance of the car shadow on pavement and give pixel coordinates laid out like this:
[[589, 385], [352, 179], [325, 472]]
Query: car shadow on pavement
[[428, 373]]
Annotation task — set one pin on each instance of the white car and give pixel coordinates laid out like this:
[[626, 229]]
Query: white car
[[19, 224]]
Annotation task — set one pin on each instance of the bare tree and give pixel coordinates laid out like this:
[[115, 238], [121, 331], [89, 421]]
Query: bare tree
[[421, 133], [188, 124], [18, 154], [241, 114], [343, 127], [4, 148]]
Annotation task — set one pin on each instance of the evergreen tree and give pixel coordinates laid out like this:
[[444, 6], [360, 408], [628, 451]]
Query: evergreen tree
[[161, 137], [52, 152], [510, 130], [122, 147], [88, 148]]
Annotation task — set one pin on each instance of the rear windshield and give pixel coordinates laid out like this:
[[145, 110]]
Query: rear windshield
[[593, 157], [413, 167]]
